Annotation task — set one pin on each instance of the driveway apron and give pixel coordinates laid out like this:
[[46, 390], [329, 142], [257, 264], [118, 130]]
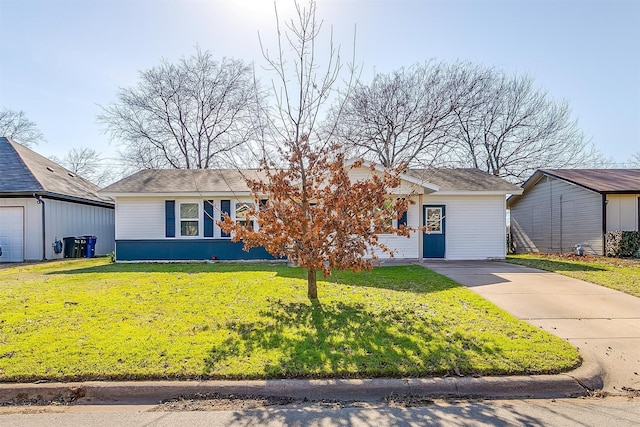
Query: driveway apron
[[602, 323]]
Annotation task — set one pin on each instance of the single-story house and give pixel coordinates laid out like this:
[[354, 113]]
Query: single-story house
[[41, 203], [167, 215], [560, 208]]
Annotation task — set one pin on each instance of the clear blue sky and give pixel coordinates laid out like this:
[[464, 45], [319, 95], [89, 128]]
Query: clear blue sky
[[60, 59]]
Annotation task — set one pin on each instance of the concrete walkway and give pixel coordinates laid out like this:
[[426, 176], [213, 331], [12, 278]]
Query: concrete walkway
[[602, 323]]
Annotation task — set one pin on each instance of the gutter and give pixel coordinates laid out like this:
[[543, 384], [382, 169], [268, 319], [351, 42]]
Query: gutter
[[44, 235]]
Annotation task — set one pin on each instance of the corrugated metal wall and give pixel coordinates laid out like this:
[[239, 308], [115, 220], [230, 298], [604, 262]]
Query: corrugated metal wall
[[554, 215]]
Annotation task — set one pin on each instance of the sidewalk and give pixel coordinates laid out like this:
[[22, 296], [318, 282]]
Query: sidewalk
[[602, 323]]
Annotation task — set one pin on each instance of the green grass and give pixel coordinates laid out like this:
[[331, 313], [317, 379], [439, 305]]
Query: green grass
[[619, 274], [88, 319]]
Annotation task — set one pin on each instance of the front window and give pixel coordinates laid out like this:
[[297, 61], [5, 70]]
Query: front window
[[434, 220], [384, 215], [189, 219], [242, 214]]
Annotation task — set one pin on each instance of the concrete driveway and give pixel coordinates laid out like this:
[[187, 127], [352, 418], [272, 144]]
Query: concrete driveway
[[602, 323]]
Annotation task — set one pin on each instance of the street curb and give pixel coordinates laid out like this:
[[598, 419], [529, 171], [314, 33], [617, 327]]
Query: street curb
[[579, 382]]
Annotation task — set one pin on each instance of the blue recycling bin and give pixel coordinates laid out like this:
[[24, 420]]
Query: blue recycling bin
[[90, 248]]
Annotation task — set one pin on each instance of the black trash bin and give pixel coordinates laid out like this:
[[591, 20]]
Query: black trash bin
[[74, 247], [90, 250], [68, 246], [81, 242]]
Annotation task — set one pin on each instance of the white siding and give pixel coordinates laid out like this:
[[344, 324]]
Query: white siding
[[475, 226], [554, 215], [403, 247], [622, 212], [144, 218], [140, 218]]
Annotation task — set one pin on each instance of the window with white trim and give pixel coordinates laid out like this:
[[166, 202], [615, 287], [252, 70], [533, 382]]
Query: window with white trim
[[384, 216], [434, 220], [189, 219], [242, 214]]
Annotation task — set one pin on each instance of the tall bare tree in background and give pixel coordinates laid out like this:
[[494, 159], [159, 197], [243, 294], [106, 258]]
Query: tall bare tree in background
[[16, 125], [464, 115], [190, 114], [405, 117], [635, 160], [510, 128], [87, 163]]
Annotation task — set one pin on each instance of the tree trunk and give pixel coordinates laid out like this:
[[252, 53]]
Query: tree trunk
[[312, 285]]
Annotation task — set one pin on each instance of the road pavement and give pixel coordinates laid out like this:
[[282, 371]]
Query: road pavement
[[563, 412]]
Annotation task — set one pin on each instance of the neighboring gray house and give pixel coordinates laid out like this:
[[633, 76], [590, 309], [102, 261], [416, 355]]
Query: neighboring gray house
[[560, 208], [166, 215], [40, 201]]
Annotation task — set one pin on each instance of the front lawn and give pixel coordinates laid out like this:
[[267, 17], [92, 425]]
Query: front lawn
[[619, 274], [88, 319]]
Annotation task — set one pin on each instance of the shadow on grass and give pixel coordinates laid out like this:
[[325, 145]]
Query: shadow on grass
[[342, 340], [408, 278], [553, 265]]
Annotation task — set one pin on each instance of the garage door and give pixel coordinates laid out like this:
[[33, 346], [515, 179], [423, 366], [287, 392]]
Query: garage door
[[11, 234]]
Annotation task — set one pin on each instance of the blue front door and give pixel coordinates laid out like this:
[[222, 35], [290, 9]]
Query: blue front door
[[434, 238]]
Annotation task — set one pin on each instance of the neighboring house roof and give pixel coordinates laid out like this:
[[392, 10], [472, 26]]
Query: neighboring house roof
[[603, 181], [24, 172], [600, 180], [223, 181]]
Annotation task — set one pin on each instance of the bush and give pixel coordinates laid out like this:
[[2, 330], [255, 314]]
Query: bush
[[622, 244]]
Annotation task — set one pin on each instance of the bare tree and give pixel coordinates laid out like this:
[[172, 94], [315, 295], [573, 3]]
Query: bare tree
[[404, 117], [635, 160], [185, 115], [509, 128], [313, 214], [16, 125], [87, 163]]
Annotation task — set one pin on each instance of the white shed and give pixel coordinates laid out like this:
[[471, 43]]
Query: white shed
[[42, 202]]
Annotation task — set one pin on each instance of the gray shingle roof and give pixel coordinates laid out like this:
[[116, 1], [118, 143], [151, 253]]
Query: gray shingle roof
[[464, 179], [184, 181], [223, 180], [24, 172], [600, 180]]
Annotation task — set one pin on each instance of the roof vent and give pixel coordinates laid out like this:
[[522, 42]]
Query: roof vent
[[49, 168], [71, 174]]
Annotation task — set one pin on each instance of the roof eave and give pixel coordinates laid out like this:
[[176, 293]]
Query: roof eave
[[180, 194], [478, 193]]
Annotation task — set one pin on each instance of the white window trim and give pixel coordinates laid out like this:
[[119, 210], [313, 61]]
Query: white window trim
[[200, 218], [441, 218]]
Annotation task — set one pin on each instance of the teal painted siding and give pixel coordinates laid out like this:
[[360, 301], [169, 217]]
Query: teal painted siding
[[185, 249]]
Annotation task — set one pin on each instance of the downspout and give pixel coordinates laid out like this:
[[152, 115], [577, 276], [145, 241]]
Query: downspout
[[604, 224], [44, 235]]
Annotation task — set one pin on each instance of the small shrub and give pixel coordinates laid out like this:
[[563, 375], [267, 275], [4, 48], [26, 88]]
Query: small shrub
[[622, 244]]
